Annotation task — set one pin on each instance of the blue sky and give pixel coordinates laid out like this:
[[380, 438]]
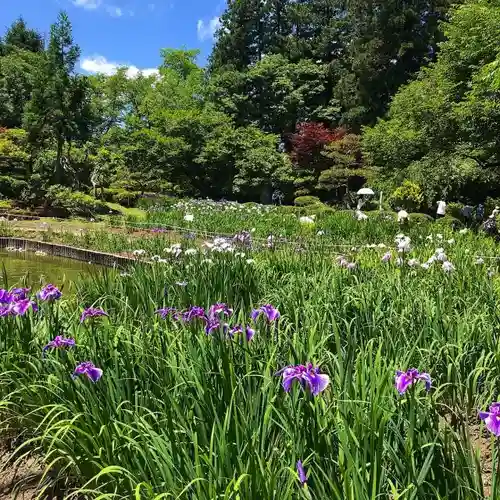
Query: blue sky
[[124, 32]]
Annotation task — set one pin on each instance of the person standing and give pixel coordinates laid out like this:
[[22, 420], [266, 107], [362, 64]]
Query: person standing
[[402, 216], [467, 212], [480, 212], [441, 209]]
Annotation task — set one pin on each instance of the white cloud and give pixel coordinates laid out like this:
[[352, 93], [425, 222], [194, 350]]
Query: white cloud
[[87, 4], [99, 64], [114, 11], [207, 30]]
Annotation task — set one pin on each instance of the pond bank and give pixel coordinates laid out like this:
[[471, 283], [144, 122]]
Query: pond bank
[[65, 251]]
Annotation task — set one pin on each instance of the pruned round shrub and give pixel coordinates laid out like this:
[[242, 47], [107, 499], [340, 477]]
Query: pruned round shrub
[[420, 219], [305, 201], [449, 222]]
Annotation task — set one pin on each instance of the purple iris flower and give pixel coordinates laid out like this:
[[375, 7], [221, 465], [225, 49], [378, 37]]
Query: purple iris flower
[[49, 292], [307, 375], [20, 293], [92, 312], [404, 380], [219, 308], [194, 312], [18, 308], [269, 311], [88, 369], [59, 342], [6, 297], [212, 324], [167, 311], [492, 418], [250, 332], [302, 473]]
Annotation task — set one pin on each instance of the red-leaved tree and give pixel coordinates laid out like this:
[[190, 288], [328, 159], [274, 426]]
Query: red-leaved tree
[[308, 143]]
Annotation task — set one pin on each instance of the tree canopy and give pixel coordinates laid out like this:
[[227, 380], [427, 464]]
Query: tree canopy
[[309, 97]]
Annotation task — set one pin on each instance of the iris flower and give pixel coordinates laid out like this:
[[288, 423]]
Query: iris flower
[[194, 312], [212, 324], [18, 308], [404, 380], [386, 257], [88, 369], [269, 311], [302, 473], [92, 312], [59, 342], [167, 311], [219, 308], [308, 376], [448, 267], [5, 296], [249, 332], [49, 293], [492, 418], [20, 293]]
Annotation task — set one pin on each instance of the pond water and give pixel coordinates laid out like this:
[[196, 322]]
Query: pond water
[[34, 270]]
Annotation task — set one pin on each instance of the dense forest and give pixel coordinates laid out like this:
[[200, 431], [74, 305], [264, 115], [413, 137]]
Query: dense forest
[[304, 97]]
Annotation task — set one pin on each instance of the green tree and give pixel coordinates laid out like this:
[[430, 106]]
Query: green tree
[[442, 129], [19, 36], [59, 109], [17, 77], [387, 42], [241, 37]]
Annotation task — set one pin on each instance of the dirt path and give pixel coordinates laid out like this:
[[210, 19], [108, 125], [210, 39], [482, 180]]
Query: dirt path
[[20, 481]]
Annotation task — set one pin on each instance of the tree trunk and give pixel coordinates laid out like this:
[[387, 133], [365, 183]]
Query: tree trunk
[[59, 168]]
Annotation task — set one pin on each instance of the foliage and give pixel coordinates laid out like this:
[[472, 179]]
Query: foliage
[[366, 52], [419, 219], [408, 196], [169, 391], [454, 209], [122, 197], [280, 107], [67, 202], [303, 201], [10, 187], [449, 222], [441, 128]]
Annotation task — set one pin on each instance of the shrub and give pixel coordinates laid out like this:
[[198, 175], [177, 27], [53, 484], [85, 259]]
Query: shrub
[[420, 219], [11, 187], [319, 209], [449, 222], [304, 201], [455, 210], [164, 201], [408, 196], [66, 202], [122, 196]]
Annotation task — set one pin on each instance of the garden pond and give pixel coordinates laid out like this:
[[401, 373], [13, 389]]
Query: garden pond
[[31, 269]]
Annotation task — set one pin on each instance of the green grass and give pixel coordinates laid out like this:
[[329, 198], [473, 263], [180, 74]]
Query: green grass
[[182, 414], [136, 213]]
